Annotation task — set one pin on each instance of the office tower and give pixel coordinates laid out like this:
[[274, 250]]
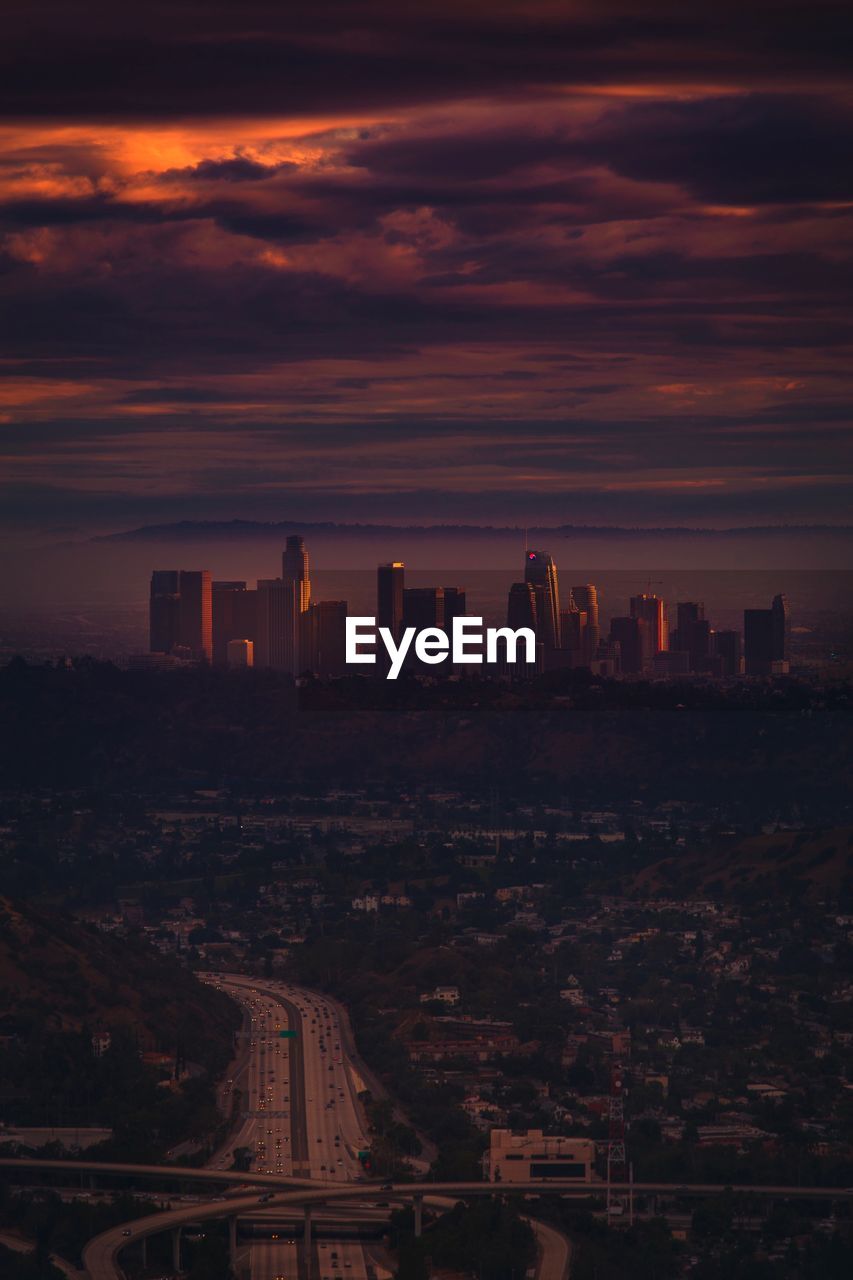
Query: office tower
[[323, 646], [629, 634], [390, 584], [758, 641], [765, 639], [521, 609], [781, 628], [687, 612], [651, 610], [196, 612], [294, 568], [164, 611], [454, 605], [423, 607], [573, 625], [277, 633], [692, 634], [728, 646], [541, 572], [240, 653], [234, 617], [586, 599]]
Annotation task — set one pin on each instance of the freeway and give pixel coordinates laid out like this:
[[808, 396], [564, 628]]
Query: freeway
[[301, 1118]]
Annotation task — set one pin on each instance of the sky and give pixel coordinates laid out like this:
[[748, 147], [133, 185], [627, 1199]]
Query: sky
[[496, 263]]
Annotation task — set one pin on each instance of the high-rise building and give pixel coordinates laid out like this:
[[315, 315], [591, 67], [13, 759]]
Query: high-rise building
[[781, 628], [541, 572], [629, 633], [758, 637], [686, 613], [164, 611], [390, 584], [323, 648], [423, 607], [455, 604], [294, 568], [196, 612], [573, 624], [278, 626], [585, 597], [692, 634], [240, 653], [765, 638], [521, 609], [234, 617], [651, 609], [181, 613], [728, 646]]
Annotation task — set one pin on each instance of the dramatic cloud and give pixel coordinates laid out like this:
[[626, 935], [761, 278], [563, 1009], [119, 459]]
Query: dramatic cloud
[[382, 260]]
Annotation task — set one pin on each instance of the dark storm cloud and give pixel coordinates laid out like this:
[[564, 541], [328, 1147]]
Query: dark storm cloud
[[170, 58], [749, 150]]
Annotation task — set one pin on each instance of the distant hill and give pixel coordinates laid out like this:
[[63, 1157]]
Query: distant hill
[[771, 865], [200, 530], [60, 976]]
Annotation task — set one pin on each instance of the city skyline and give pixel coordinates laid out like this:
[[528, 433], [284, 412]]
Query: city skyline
[[277, 626]]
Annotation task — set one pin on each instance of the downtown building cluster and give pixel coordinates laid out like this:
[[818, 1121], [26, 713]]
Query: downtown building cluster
[[277, 626], [642, 642]]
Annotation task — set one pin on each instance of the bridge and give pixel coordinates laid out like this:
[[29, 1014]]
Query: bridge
[[101, 1255]]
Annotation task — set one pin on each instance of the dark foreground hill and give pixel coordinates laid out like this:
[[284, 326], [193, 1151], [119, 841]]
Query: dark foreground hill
[[58, 975], [754, 750], [778, 866], [81, 1014]]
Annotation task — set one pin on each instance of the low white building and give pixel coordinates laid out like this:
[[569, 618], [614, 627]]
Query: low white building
[[529, 1156]]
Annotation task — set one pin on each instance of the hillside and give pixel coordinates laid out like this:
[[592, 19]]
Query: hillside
[[786, 862], [62, 976], [61, 982]]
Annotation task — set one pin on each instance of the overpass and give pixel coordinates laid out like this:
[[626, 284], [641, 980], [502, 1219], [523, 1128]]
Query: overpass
[[101, 1253]]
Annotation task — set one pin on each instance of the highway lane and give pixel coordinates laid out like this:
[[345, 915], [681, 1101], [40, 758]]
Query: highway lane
[[300, 1113]]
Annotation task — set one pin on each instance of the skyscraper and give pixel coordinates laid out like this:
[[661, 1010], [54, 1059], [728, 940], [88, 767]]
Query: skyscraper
[[586, 599], [573, 623], [728, 647], [629, 634], [454, 605], [323, 646], [692, 634], [521, 609], [758, 634], [294, 568], [181, 612], [654, 636], [765, 638], [164, 611], [423, 607], [686, 613], [278, 629], [781, 628], [540, 572], [234, 617], [196, 612], [390, 584]]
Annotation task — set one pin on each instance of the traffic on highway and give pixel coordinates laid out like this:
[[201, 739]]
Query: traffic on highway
[[299, 1115]]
